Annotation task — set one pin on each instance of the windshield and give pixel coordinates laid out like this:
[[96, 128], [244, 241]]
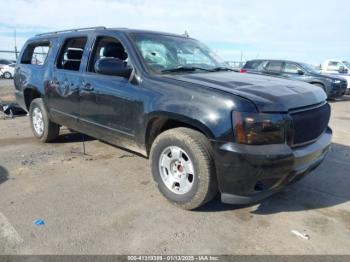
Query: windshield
[[164, 53], [346, 63], [310, 68]]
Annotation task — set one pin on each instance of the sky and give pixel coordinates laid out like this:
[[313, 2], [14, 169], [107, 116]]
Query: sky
[[302, 30]]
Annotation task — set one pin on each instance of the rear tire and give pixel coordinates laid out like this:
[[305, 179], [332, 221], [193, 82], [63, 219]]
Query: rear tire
[[43, 128], [183, 167], [7, 75]]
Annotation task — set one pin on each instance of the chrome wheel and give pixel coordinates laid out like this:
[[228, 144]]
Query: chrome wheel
[[38, 122], [176, 170]]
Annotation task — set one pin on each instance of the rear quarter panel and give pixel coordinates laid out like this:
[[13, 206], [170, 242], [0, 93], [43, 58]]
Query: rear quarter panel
[[31, 76]]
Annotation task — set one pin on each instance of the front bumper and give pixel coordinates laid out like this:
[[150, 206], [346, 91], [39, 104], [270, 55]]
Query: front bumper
[[338, 90], [247, 174]]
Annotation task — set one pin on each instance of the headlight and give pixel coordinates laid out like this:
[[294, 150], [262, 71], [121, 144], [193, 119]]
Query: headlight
[[260, 129], [335, 81]]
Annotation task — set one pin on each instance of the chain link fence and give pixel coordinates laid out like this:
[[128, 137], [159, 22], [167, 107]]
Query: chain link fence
[[8, 55]]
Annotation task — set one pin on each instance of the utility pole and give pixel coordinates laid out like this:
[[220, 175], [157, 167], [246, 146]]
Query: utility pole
[[241, 55], [16, 44]]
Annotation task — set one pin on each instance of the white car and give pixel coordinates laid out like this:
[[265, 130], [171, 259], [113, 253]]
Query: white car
[[7, 71], [337, 67]]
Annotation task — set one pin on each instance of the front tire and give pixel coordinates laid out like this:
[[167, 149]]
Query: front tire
[[42, 127], [182, 166]]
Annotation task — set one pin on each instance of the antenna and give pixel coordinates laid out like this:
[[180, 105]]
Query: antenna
[[15, 44]]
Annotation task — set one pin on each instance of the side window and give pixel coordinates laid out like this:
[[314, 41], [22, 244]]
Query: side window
[[36, 53], [71, 53], [253, 64], [291, 68], [333, 65], [107, 47], [274, 66]]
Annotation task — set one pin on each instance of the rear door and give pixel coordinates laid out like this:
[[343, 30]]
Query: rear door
[[253, 66], [64, 82], [273, 68]]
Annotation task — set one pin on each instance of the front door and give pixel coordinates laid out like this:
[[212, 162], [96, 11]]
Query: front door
[[273, 68], [109, 105], [293, 71]]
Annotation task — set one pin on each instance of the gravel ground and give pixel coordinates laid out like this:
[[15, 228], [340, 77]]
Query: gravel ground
[[105, 202]]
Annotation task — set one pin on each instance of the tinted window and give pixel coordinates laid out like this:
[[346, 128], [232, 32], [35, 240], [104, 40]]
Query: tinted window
[[274, 66], [71, 54], [333, 64], [252, 64], [291, 68], [36, 53]]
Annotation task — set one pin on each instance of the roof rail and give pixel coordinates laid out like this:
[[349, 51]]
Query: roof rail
[[72, 30]]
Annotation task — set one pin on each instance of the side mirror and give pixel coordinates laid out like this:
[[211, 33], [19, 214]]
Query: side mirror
[[112, 66], [300, 72]]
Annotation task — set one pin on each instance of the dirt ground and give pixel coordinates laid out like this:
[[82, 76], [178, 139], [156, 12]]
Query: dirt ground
[[105, 202]]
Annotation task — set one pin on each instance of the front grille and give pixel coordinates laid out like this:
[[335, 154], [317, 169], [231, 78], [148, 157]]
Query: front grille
[[308, 125], [344, 85]]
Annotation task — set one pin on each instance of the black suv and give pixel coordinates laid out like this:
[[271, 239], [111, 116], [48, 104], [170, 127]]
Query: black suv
[[332, 85], [167, 97]]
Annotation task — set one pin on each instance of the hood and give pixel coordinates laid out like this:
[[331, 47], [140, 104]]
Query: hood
[[269, 94]]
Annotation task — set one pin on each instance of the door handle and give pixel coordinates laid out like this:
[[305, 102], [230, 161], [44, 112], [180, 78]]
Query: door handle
[[87, 87]]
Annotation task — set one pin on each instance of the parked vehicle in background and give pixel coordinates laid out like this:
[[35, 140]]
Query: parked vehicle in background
[[6, 61], [336, 66], [333, 86], [340, 68], [204, 127], [7, 71]]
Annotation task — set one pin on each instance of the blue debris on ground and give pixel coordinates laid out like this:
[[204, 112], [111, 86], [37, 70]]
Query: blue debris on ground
[[39, 222]]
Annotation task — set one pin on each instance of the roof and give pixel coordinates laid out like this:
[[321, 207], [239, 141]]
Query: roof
[[101, 28], [277, 60]]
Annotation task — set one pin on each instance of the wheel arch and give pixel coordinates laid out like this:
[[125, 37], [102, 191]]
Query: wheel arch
[[317, 82], [30, 93], [162, 121]]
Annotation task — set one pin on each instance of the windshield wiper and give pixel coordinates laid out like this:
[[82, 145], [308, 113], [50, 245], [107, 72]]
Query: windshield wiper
[[221, 68], [185, 69]]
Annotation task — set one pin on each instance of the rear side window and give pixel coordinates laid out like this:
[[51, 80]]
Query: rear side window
[[252, 64], [274, 66], [333, 64], [71, 54], [36, 53]]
